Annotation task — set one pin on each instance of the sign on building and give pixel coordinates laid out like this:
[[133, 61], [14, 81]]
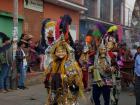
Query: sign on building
[[36, 5]]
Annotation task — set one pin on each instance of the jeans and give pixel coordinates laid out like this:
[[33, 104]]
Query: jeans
[[97, 91], [4, 83], [22, 74], [137, 90]]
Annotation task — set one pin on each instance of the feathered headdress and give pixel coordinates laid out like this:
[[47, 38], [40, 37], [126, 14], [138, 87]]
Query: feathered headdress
[[50, 32], [58, 43], [113, 32], [64, 26], [101, 28], [43, 42], [57, 29], [50, 24]]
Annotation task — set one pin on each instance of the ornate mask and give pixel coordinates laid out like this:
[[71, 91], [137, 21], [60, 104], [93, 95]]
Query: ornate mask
[[61, 51], [88, 39], [50, 30], [102, 50], [110, 42], [110, 46]]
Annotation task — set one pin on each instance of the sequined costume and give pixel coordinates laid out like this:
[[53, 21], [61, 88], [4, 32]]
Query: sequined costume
[[63, 76]]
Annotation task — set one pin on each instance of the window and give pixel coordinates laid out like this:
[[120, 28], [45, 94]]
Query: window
[[105, 10], [117, 11]]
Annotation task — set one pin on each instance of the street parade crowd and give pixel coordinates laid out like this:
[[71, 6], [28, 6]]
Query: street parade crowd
[[100, 63]]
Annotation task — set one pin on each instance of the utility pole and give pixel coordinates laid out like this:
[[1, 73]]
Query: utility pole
[[15, 20], [111, 11], [14, 45], [124, 12], [98, 8]]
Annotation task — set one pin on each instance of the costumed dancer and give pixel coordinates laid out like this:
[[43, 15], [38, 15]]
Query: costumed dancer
[[89, 42], [50, 38], [64, 77], [53, 31], [111, 44], [84, 59], [47, 33], [102, 76]]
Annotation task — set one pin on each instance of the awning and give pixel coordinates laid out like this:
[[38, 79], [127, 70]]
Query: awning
[[68, 4]]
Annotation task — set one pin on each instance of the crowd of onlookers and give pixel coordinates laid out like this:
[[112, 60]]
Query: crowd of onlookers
[[13, 69]]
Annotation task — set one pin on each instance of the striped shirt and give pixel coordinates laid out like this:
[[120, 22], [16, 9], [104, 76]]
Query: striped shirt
[[19, 56]]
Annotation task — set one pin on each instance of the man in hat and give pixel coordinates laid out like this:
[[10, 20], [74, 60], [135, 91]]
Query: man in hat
[[5, 62], [21, 64]]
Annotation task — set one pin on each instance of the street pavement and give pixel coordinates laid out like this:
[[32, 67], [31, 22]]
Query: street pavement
[[36, 95]]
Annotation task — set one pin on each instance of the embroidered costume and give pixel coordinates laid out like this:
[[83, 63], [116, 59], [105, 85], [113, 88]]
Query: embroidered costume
[[63, 76]]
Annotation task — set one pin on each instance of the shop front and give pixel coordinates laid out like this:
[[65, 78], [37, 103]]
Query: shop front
[[33, 16], [6, 24], [6, 17]]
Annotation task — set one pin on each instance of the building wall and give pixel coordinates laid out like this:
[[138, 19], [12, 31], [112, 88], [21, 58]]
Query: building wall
[[6, 17], [54, 12], [32, 23], [33, 19], [92, 8], [81, 2], [7, 6]]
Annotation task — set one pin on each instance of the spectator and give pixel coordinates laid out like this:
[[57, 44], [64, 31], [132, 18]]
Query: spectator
[[137, 78], [41, 52], [25, 38], [32, 54], [4, 64], [21, 64]]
